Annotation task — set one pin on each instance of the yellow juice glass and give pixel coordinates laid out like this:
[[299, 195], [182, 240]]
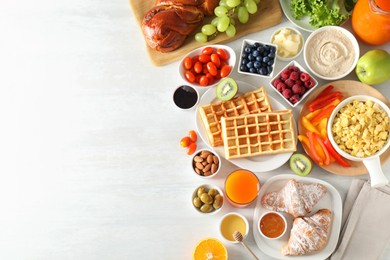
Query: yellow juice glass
[[241, 188]]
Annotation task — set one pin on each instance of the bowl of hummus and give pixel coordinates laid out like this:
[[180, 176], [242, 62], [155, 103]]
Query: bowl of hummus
[[331, 52]]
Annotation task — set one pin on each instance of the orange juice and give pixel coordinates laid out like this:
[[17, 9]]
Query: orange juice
[[241, 187]]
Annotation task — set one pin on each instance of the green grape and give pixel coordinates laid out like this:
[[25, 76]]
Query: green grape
[[257, 1], [251, 6], [232, 21], [201, 37], [231, 30], [215, 21], [223, 23], [208, 29], [233, 3], [224, 4], [220, 11], [242, 14]]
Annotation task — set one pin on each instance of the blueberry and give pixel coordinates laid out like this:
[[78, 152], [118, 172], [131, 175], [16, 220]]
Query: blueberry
[[247, 49], [252, 70], [244, 68], [267, 47], [269, 69], [270, 63], [257, 64], [255, 53], [271, 54], [256, 44], [263, 71], [244, 55], [265, 59], [244, 61], [249, 64], [272, 49], [260, 49]]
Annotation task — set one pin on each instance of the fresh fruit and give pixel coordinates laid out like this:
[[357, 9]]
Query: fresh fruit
[[189, 142], [207, 67], [226, 89], [293, 83], [258, 58], [300, 164], [185, 141], [193, 136], [373, 67], [226, 14], [210, 249], [191, 148]]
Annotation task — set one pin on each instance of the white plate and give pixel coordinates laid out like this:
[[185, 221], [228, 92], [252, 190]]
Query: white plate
[[331, 201], [304, 23], [262, 163]]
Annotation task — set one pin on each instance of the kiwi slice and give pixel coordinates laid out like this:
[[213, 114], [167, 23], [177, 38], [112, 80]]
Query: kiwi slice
[[300, 164], [226, 89]]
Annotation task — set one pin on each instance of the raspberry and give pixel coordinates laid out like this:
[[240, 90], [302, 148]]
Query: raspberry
[[294, 75], [289, 83], [309, 84], [287, 93], [304, 76], [280, 87], [294, 98], [293, 68], [276, 81], [298, 89], [285, 74]]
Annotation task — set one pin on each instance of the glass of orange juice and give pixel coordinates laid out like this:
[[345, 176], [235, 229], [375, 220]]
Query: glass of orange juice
[[241, 187]]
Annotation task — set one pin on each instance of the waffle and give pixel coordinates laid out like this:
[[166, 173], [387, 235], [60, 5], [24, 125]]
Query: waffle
[[259, 134], [248, 103]]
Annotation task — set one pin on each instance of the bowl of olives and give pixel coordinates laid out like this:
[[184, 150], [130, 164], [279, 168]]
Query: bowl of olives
[[207, 199]]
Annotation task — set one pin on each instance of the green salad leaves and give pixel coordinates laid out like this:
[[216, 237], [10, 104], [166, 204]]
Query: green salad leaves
[[323, 12]]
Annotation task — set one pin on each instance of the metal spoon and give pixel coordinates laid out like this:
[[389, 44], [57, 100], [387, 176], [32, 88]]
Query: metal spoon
[[238, 237]]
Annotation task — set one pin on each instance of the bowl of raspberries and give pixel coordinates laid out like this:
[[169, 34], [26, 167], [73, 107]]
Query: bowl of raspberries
[[293, 83]]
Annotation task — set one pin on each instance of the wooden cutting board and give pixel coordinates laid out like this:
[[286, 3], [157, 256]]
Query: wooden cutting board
[[269, 14]]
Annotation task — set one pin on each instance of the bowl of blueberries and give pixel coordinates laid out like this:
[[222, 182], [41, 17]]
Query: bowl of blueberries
[[257, 58]]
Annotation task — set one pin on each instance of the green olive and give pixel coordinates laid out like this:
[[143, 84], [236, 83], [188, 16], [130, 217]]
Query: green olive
[[206, 198], [218, 200], [206, 208], [200, 191], [213, 192], [197, 202]]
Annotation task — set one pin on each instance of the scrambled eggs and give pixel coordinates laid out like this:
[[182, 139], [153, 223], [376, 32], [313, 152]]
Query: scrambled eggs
[[361, 128]]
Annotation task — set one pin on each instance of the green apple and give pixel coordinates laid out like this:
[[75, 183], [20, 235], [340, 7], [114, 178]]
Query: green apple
[[373, 67]]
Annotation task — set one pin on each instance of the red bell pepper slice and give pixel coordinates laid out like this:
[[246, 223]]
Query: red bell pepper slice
[[325, 100], [335, 154], [325, 92], [324, 113], [313, 151], [321, 143]]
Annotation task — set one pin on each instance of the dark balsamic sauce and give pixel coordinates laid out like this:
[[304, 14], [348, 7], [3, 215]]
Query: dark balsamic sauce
[[185, 97]]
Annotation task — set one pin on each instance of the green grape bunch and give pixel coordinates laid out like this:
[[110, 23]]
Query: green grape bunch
[[225, 18]]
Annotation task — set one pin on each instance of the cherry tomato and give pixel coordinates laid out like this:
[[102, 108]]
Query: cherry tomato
[[212, 68], [203, 80], [191, 148], [210, 77], [193, 136], [197, 78], [195, 59], [198, 67], [216, 60], [204, 58], [187, 63], [185, 141], [225, 70], [208, 50], [189, 76], [205, 70], [223, 55]]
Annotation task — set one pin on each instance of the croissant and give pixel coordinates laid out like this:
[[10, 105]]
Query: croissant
[[295, 198], [309, 234], [169, 22]]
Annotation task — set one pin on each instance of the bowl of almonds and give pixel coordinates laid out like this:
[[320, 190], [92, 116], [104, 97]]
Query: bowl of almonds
[[206, 163]]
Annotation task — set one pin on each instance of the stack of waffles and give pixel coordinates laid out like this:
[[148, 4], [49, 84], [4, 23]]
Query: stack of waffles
[[247, 126]]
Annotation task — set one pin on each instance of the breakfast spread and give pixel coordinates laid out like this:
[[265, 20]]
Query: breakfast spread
[[247, 103], [309, 234], [258, 134], [295, 198]]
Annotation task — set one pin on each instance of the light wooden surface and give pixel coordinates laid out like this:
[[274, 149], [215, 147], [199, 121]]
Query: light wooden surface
[[269, 14], [91, 166]]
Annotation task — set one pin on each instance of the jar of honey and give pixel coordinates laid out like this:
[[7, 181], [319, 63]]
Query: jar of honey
[[371, 21]]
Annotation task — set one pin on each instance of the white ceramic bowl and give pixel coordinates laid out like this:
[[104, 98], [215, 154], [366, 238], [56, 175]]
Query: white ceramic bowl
[[301, 69], [283, 219], [245, 43], [280, 46], [332, 52], [232, 229], [231, 61], [203, 171], [372, 163], [207, 187]]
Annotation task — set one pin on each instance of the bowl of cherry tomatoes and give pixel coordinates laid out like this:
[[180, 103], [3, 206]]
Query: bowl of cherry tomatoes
[[207, 65]]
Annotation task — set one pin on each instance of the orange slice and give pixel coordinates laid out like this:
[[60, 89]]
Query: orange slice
[[210, 249]]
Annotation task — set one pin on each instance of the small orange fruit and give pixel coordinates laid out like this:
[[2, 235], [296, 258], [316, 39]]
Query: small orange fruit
[[210, 249]]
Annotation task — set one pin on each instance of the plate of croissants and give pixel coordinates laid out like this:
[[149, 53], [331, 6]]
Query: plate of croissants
[[313, 210]]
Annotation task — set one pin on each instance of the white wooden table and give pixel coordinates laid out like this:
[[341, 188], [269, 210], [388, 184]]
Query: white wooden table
[[91, 166]]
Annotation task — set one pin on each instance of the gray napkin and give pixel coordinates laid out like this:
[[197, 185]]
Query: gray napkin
[[366, 222]]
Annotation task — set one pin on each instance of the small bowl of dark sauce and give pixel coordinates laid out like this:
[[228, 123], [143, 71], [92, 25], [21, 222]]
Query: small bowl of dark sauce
[[185, 97]]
